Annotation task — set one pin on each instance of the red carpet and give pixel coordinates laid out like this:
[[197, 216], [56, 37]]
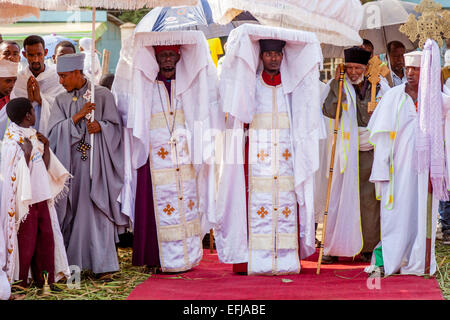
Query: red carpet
[[345, 280]]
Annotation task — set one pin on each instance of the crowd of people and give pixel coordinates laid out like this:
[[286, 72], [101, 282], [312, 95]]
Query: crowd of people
[[168, 151]]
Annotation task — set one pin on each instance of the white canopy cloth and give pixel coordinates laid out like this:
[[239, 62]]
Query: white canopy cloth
[[300, 78], [11, 12], [108, 4], [333, 22]]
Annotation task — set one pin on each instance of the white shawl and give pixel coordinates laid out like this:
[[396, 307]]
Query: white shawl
[[49, 88], [17, 195], [300, 78]]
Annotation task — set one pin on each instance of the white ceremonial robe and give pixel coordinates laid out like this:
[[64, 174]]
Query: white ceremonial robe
[[243, 97], [343, 231], [279, 231], [403, 192], [272, 205], [174, 184], [49, 87]]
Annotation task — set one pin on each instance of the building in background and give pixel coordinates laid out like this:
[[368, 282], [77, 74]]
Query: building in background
[[73, 25]]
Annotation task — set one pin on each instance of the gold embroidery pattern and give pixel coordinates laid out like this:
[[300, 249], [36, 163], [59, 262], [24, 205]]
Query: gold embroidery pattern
[[392, 135], [262, 155], [287, 154], [163, 153], [169, 209], [13, 178], [286, 212], [11, 213], [262, 212], [346, 135], [191, 204]]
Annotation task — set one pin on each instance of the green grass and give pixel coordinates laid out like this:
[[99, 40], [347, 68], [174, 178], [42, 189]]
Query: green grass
[[443, 273], [118, 287]]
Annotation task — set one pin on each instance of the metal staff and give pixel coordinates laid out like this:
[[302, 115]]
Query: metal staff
[[92, 89], [333, 151]]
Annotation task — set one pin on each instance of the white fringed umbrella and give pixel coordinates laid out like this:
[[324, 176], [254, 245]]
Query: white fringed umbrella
[[11, 12], [106, 4], [334, 22]]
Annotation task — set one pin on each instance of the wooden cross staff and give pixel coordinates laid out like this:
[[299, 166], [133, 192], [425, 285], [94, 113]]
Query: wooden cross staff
[[375, 70]]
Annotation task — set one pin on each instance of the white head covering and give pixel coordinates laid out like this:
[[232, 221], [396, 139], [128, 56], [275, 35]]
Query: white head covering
[[447, 58], [8, 69], [85, 43], [413, 59]]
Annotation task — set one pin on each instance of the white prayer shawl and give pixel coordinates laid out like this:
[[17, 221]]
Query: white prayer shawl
[[49, 87], [93, 72], [402, 191], [196, 90], [321, 175], [343, 233], [23, 186], [300, 83], [446, 108]]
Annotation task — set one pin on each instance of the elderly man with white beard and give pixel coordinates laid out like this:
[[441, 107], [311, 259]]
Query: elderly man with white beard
[[353, 225]]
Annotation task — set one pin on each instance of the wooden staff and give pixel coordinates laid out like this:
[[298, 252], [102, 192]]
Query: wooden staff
[[429, 231], [333, 151]]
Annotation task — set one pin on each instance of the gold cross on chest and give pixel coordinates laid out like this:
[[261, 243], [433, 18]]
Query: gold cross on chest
[[162, 153], [262, 212], [169, 209], [287, 154], [190, 204], [262, 155], [286, 212]]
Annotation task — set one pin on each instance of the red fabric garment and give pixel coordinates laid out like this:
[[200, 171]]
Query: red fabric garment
[[36, 245], [158, 49], [4, 101], [344, 280], [275, 81]]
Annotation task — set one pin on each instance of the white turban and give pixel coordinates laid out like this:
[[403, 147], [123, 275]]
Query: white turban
[[447, 58], [413, 59], [8, 69], [85, 43]]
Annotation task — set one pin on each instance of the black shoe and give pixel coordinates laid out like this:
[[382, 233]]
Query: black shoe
[[329, 259], [55, 288], [366, 256]]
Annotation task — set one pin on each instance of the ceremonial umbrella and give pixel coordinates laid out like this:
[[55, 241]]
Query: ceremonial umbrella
[[51, 41], [381, 23], [11, 12], [107, 4], [197, 17]]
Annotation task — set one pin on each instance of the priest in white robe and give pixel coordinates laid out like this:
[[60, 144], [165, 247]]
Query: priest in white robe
[[167, 92], [407, 132], [353, 215], [38, 82], [269, 87]]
